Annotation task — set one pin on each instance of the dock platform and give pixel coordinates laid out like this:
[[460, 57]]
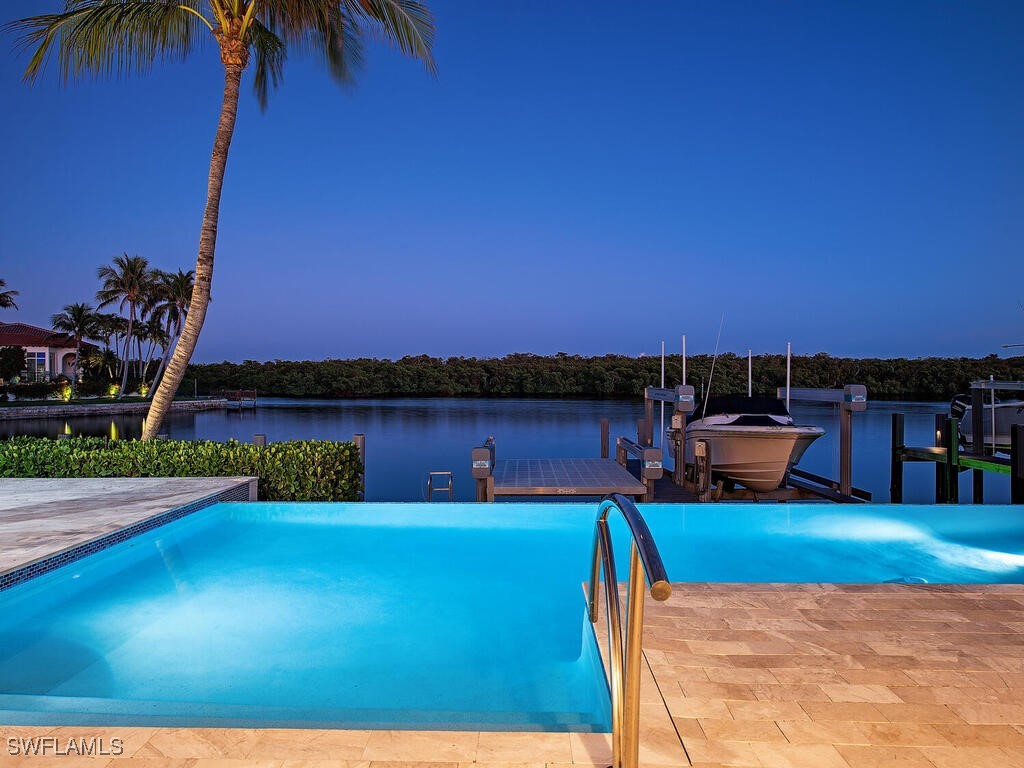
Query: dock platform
[[563, 477]]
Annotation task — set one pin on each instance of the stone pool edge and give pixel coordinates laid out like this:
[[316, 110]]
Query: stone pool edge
[[244, 490]]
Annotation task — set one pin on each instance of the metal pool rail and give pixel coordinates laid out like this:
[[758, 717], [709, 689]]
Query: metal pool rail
[[624, 650]]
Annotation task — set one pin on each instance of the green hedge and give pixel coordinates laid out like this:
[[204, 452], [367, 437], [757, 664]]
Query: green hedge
[[301, 470]]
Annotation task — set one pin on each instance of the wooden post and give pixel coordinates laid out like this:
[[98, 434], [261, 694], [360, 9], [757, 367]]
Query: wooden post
[[604, 438], [845, 451], [978, 442], [1017, 464], [620, 454], [941, 467], [952, 436], [702, 469], [896, 460], [360, 440], [489, 488], [261, 439], [978, 422], [679, 471], [648, 436]]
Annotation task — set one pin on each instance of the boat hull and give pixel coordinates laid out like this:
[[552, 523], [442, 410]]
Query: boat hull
[[1008, 414], [755, 457]]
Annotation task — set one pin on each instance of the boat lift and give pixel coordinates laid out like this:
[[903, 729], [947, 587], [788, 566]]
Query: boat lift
[[799, 484]]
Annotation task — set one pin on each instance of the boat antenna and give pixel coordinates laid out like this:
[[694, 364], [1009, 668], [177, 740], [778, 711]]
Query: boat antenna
[[711, 377]]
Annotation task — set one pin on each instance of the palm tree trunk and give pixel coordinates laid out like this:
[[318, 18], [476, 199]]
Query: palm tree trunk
[[186, 345], [127, 351], [74, 380]]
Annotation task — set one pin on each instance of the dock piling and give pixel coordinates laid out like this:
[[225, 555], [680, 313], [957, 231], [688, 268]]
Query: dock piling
[[604, 438], [951, 436], [845, 451], [941, 467], [896, 460], [1017, 464]]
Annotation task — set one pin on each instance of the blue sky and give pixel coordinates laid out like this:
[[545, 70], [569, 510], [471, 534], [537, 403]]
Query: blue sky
[[584, 176]]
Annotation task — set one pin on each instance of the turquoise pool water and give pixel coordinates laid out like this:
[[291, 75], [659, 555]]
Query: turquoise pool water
[[413, 615]]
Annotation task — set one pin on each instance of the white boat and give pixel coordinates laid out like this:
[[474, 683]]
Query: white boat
[[754, 440], [1008, 413]]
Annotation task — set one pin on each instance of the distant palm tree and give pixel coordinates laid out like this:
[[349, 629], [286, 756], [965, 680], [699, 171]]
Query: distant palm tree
[[7, 297], [175, 297], [104, 37], [125, 283], [79, 321], [110, 328], [152, 332]]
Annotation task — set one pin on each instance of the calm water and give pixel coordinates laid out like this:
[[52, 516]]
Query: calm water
[[406, 438]]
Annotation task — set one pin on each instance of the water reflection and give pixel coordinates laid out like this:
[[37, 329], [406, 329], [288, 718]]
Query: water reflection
[[406, 438]]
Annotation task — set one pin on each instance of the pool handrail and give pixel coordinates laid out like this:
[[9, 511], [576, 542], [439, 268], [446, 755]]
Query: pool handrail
[[645, 565]]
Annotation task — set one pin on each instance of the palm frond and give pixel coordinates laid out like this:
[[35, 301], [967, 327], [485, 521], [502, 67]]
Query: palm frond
[[104, 37], [269, 53], [341, 45], [323, 27], [407, 24]]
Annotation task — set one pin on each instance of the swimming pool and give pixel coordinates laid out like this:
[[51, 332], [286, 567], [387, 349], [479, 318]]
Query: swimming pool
[[456, 616]]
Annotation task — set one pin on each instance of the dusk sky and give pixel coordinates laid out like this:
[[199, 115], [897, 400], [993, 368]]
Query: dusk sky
[[582, 176]]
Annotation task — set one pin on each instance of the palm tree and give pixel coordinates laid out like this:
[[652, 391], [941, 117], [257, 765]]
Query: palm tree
[[125, 283], [110, 327], [79, 321], [153, 333], [7, 297], [103, 37], [176, 294]]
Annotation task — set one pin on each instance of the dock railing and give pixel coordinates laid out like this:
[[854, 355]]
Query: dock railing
[[624, 646]]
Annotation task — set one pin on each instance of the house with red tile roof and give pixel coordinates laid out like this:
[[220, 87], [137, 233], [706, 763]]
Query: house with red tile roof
[[48, 353]]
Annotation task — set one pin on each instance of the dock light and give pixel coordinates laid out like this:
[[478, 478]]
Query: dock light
[[113, 431]]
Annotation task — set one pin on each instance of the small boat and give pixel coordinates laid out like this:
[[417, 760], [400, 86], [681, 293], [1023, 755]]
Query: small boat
[[754, 440], [1008, 413]]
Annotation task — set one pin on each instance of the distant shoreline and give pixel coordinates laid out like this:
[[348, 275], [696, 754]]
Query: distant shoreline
[[600, 377]]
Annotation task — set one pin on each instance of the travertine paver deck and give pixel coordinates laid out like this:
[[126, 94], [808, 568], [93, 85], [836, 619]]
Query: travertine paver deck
[[849, 676], [40, 517]]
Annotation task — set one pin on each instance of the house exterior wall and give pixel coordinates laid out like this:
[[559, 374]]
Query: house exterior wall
[[53, 362]]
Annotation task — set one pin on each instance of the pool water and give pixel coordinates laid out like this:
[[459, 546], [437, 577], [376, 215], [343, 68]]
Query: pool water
[[458, 616], [399, 616]]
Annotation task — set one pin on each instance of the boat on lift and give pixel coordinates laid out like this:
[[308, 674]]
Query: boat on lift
[[754, 440], [1007, 414]]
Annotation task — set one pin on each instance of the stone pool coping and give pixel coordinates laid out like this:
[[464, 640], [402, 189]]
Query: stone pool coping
[[47, 523]]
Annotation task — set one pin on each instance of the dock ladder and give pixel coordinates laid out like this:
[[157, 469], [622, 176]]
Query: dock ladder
[[448, 487], [624, 648]]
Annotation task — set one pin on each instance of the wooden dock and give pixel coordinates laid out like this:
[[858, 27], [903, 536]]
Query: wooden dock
[[563, 477], [238, 397], [951, 460]]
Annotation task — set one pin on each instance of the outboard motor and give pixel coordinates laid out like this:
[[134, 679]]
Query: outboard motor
[[958, 406]]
